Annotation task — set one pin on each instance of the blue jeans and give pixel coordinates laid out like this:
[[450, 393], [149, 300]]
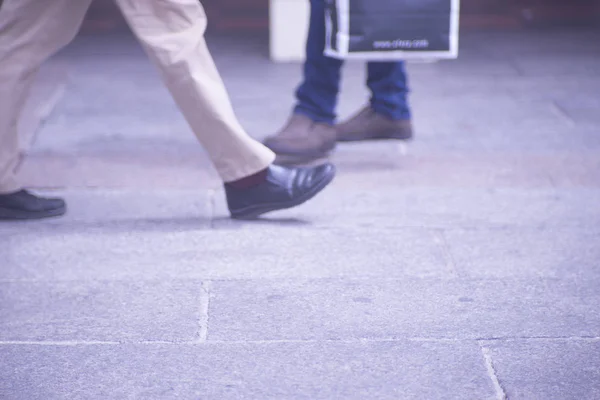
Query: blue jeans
[[317, 95]]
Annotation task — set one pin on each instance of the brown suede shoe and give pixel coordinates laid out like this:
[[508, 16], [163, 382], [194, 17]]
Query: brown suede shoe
[[302, 140], [369, 125]]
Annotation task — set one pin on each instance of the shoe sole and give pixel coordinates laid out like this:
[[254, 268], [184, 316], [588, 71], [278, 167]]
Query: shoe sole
[[253, 212], [8, 214], [382, 137]]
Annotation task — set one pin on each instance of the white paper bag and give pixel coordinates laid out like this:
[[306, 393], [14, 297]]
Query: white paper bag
[[388, 30]]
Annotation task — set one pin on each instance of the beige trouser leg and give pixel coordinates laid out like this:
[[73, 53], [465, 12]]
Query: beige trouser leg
[[30, 32], [172, 33]]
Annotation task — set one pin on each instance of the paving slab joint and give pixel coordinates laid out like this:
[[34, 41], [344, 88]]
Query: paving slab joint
[[562, 113], [204, 306], [212, 207], [487, 358], [441, 240]]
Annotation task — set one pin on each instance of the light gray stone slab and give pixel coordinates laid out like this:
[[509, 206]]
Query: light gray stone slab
[[533, 42], [101, 311], [180, 248], [526, 253], [397, 370], [481, 66], [142, 170], [117, 112], [542, 87], [554, 148], [551, 64], [434, 164], [577, 102], [361, 202], [407, 308], [540, 370], [485, 114], [122, 210], [585, 116], [447, 86]]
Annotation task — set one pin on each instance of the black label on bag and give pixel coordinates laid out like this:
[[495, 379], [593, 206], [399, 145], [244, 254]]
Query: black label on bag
[[392, 25]]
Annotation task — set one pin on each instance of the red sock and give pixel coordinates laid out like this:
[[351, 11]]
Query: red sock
[[249, 181]]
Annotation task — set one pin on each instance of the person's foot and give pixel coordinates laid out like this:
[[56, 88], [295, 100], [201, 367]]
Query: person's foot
[[301, 141], [282, 188], [24, 205], [369, 125]]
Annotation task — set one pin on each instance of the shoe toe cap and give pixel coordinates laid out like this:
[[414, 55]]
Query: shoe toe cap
[[55, 204], [313, 176], [324, 171]]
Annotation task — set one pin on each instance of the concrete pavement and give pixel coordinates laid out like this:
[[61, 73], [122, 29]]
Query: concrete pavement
[[467, 268]]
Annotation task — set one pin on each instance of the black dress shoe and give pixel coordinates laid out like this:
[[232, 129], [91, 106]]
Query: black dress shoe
[[24, 205], [283, 188]]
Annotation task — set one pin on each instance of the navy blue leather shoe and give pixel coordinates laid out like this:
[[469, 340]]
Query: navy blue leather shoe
[[283, 188], [24, 205]]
